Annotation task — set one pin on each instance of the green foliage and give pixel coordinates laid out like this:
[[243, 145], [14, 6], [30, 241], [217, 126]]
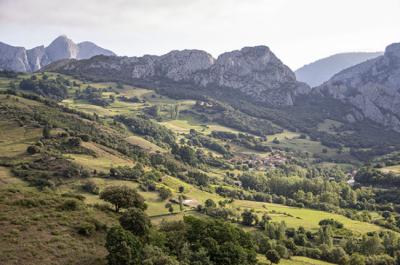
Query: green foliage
[[55, 89], [91, 187], [126, 172], [273, 256], [136, 221], [331, 222], [123, 247], [148, 128], [70, 205], [249, 218], [122, 197], [164, 193], [153, 255], [33, 149]]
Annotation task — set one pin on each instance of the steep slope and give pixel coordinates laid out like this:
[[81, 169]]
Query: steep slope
[[62, 48], [19, 59], [13, 58], [316, 73], [372, 88], [253, 71], [89, 49], [37, 58]]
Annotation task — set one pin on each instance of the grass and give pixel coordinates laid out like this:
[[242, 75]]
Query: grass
[[14, 139], [137, 140], [393, 169], [308, 218], [7, 178], [104, 160], [329, 126], [184, 126], [296, 260], [35, 230]]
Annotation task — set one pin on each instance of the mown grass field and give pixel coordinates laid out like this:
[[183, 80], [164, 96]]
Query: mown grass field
[[308, 218], [296, 260], [14, 139], [137, 140], [392, 169]]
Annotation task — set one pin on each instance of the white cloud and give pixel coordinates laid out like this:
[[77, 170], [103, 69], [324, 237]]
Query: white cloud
[[298, 31]]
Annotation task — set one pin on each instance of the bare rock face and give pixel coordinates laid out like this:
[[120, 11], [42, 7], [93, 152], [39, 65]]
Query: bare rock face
[[373, 88], [62, 48], [19, 59], [257, 72], [181, 65], [13, 58], [254, 71], [88, 49], [37, 58]]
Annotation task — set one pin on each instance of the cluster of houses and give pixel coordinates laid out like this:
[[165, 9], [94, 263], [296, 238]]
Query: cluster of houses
[[256, 162]]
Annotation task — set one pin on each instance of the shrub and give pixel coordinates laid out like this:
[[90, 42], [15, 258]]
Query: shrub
[[86, 229], [70, 205], [33, 149], [91, 187], [164, 193]]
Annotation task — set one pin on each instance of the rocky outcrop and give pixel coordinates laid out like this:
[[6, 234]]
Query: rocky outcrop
[[254, 71], [37, 58], [257, 72], [372, 88], [19, 59], [62, 48], [13, 58], [88, 49], [316, 73]]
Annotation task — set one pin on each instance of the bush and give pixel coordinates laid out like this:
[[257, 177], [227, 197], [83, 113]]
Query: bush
[[86, 229], [33, 149], [70, 205], [91, 187], [164, 193]]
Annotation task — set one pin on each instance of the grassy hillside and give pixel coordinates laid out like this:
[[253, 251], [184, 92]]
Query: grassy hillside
[[62, 148]]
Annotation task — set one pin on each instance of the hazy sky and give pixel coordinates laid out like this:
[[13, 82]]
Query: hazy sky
[[297, 31]]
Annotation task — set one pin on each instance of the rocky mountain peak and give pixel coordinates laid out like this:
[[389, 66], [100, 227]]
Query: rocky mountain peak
[[257, 72], [62, 47], [89, 49], [372, 88], [393, 50], [253, 71], [21, 60], [180, 65]]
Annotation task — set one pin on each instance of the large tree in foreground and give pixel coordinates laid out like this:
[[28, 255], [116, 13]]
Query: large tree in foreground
[[123, 247], [136, 221]]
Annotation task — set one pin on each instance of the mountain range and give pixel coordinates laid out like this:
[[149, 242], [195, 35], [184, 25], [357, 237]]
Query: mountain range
[[372, 88], [19, 59], [254, 71], [316, 73], [369, 90]]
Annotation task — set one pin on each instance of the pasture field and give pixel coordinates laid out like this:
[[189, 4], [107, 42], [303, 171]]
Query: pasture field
[[14, 139], [147, 145], [308, 218], [296, 260], [392, 169]]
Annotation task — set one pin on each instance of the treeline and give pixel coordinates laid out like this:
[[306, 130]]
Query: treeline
[[51, 88], [372, 176], [142, 126]]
